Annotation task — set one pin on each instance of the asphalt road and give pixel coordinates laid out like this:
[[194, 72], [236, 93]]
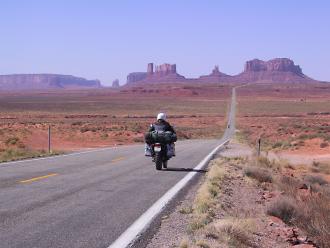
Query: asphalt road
[[88, 199]]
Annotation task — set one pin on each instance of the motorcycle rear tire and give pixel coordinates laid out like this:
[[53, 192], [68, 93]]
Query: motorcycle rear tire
[[165, 164], [158, 161]]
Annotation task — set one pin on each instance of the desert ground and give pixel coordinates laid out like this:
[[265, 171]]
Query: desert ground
[[292, 120], [280, 198], [99, 118]]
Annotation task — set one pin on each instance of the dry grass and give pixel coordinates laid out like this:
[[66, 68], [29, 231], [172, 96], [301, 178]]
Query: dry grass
[[260, 174], [202, 244], [12, 154], [206, 196], [264, 162], [235, 232], [184, 243]]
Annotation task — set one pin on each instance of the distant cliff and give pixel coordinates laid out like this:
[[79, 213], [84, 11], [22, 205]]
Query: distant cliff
[[44, 82]]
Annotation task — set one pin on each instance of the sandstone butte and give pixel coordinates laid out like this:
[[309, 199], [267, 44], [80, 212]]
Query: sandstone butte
[[279, 70]]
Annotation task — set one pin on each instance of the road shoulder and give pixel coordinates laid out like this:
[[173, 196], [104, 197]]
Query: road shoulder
[[235, 217]]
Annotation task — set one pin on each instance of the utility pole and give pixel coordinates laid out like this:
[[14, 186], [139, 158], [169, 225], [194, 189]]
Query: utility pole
[[49, 149]]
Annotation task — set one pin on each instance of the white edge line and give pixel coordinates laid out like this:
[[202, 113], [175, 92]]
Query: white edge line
[[128, 237]]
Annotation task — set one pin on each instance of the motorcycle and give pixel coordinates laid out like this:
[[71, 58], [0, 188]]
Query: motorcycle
[[160, 153], [161, 148]]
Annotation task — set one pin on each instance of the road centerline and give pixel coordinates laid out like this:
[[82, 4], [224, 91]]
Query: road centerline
[[38, 178], [117, 159]]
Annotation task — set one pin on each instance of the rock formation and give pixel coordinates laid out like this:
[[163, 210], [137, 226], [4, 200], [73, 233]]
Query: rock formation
[[162, 73], [279, 70], [276, 70], [45, 81], [215, 77], [115, 83], [136, 77], [165, 69], [150, 70], [280, 64]]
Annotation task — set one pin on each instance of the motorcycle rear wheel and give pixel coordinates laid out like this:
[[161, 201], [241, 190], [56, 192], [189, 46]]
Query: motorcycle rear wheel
[[165, 164], [158, 161]]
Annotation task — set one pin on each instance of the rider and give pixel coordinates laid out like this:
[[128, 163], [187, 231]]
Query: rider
[[160, 125]]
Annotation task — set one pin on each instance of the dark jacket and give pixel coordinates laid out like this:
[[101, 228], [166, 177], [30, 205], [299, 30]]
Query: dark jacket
[[161, 125]]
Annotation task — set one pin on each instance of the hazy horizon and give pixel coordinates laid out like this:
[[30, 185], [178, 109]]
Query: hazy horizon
[[107, 40]]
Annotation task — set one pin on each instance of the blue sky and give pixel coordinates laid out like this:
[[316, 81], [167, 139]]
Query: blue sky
[[108, 39]]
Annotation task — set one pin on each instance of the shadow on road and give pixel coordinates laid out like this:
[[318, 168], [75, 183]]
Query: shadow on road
[[185, 170]]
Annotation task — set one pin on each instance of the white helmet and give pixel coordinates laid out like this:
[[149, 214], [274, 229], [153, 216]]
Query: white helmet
[[161, 116]]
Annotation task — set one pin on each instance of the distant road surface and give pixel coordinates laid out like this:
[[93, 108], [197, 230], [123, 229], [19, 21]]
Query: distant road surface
[[88, 199]]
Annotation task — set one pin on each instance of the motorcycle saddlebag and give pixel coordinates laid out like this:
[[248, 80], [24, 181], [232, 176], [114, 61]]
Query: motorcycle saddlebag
[[170, 150], [163, 137]]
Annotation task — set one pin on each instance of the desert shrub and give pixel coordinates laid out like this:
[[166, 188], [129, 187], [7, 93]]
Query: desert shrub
[[104, 135], [277, 144], [324, 144], [260, 174], [186, 210], [211, 232], [319, 167], [310, 213], [138, 139], [21, 145], [77, 123], [307, 136], [289, 185], [314, 218], [284, 208], [313, 179], [12, 141], [265, 162], [199, 222], [84, 129]]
